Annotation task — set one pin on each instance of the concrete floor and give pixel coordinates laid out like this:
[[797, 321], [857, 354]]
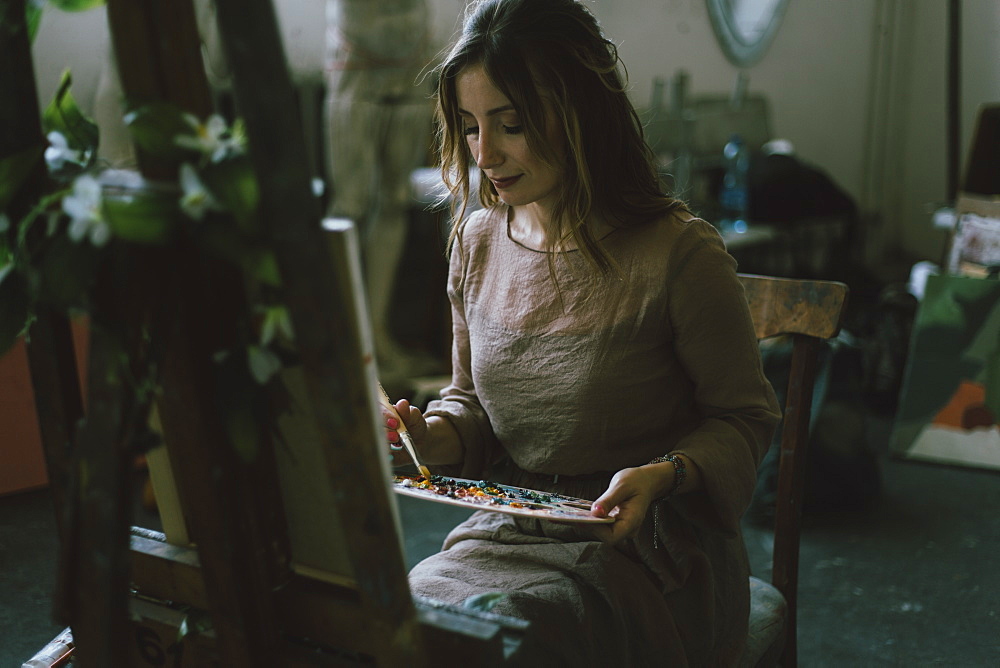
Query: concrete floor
[[910, 582]]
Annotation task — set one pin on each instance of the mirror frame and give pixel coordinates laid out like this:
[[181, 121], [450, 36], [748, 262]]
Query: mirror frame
[[738, 51]]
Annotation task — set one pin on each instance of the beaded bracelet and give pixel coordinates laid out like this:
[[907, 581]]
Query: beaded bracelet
[[680, 472]]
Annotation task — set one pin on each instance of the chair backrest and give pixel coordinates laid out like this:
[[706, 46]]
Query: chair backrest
[[809, 312]]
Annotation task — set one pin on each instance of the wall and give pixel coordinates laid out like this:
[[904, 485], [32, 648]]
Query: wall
[[858, 86], [75, 41], [921, 163]]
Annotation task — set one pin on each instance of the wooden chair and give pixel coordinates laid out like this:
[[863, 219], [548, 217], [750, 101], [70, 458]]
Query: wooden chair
[[808, 312]]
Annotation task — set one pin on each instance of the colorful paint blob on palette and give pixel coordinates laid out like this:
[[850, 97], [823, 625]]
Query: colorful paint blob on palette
[[492, 496]]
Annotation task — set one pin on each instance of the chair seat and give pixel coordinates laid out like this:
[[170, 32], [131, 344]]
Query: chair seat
[[767, 619]]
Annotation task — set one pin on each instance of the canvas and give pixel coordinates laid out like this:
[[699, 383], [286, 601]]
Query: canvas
[[951, 392]]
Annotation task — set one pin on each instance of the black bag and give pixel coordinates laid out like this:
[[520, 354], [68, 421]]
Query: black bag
[[783, 189]]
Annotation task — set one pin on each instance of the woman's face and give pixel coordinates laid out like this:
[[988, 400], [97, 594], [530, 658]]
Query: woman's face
[[498, 144]]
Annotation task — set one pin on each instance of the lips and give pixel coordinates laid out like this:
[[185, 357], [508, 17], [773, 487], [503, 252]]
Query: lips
[[504, 183]]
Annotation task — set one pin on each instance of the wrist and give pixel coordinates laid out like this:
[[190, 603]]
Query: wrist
[[672, 483]]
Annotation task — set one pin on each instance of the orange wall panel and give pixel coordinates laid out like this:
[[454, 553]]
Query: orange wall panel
[[22, 461]]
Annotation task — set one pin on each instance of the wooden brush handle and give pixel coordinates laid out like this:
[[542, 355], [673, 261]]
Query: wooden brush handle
[[404, 433]]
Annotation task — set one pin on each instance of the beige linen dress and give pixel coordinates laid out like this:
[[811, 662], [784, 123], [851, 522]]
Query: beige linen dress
[[605, 373]]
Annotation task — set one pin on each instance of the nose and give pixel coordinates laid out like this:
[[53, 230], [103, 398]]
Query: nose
[[488, 154]]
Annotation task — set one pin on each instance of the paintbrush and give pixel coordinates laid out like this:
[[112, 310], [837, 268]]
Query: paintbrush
[[404, 434]]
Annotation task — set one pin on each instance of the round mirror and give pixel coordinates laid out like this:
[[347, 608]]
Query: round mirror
[[745, 28]]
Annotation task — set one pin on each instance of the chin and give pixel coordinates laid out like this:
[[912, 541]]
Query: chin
[[511, 199]]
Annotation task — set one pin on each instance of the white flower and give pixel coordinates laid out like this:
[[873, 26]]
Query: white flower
[[212, 138], [127, 179], [84, 208], [196, 199], [59, 153]]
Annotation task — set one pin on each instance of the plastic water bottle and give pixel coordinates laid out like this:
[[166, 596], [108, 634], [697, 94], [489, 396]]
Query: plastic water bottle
[[734, 196]]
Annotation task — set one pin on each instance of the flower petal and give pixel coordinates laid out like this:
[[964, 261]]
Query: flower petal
[[100, 233], [215, 127], [57, 140], [87, 187], [76, 208], [78, 228], [189, 178], [195, 205]]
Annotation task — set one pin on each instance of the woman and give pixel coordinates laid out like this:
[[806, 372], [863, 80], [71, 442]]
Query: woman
[[602, 349]]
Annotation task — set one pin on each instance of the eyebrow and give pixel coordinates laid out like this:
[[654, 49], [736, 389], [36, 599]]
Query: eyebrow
[[491, 112]]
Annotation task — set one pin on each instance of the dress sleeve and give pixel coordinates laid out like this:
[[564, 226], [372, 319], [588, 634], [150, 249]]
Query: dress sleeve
[[715, 342], [459, 401]]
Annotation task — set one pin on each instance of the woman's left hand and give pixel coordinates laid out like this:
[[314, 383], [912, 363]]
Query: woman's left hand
[[629, 495]]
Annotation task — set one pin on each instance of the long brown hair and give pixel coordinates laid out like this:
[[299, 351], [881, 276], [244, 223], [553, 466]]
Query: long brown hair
[[525, 47]]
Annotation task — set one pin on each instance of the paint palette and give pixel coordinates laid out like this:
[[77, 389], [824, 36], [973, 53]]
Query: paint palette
[[486, 495]]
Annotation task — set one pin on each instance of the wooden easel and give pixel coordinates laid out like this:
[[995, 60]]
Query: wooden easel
[[242, 594]]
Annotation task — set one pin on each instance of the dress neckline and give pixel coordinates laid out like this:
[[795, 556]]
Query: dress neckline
[[526, 247]]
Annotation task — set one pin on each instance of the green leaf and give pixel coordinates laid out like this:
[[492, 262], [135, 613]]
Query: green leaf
[[140, 217], [44, 204], [263, 266], [66, 273], [221, 239], [6, 254], [14, 170], [264, 364], [13, 306], [154, 127], [235, 397], [233, 184], [78, 5], [33, 17], [277, 323], [243, 430], [64, 116]]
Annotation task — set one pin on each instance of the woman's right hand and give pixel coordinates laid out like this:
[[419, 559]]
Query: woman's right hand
[[415, 424]]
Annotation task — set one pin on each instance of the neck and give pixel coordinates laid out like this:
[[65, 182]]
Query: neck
[[530, 226]]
